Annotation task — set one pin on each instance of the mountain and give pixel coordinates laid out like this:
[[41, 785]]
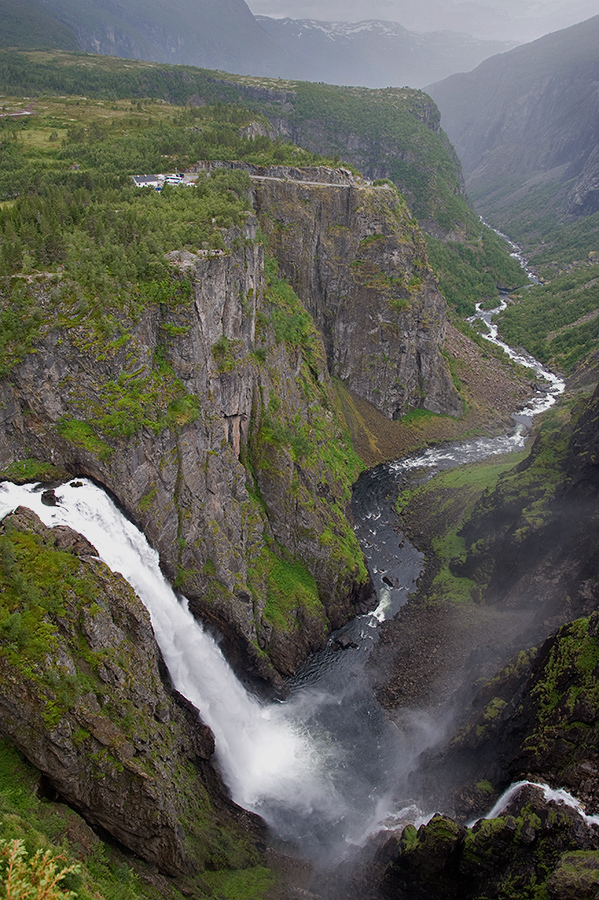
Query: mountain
[[374, 53], [526, 127], [219, 34], [525, 124], [29, 23], [503, 20], [226, 35], [389, 133]]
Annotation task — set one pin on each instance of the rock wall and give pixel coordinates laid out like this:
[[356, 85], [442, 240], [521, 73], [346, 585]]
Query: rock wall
[[208, 425], [358, 260], [209, 412]]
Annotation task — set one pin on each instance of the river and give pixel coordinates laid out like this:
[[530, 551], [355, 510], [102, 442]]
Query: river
[[325, 768]]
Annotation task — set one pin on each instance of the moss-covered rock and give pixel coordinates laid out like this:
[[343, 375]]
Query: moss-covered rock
[[83, 695], [527, 852]]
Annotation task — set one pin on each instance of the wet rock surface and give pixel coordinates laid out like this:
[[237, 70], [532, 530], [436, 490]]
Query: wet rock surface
[[531, 841]]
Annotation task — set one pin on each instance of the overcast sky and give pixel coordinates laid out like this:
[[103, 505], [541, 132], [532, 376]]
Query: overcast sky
[[519, 20]]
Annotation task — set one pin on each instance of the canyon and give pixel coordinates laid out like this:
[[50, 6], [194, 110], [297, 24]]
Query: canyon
[[221, 405]]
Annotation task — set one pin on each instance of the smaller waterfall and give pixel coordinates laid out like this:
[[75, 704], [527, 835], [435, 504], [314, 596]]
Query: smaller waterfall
[[550, 795]]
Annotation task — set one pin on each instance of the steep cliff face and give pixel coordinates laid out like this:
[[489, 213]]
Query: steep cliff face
[[386, 133], [527, 120], [83, 697], [210, 413], [358, 260], [210, 416]]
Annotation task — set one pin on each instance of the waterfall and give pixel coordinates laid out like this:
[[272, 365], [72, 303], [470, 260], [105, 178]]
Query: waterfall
[[550, 794], [304, 764]]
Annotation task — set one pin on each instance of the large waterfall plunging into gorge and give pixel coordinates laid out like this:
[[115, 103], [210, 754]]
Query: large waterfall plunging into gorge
[[327, 767], [319, 767]]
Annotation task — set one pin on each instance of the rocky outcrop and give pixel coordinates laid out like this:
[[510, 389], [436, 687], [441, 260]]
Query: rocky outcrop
[[537, 718], [390, 133], [531, 845], [208, 412], [83, 695], [358, 260]]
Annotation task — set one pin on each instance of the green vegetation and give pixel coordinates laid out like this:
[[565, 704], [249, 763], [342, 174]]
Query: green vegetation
[[566, 693], [81, 247], [27, 470], [32, 878], [292, 593], [33, 579], [286, 444], [54, 832], [250, 884], [394, 115], [289, 319], [32, 24], [557, 322], [421, 167], [50, 599], [511, 857], [469, 271]]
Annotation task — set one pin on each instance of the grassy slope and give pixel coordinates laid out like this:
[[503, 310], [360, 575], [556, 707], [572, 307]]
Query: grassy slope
[[397, 127]]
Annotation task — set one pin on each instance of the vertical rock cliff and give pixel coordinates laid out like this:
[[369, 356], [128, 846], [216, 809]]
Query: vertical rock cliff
[[211, 417], [209, 412], [357, 258], [84, 697]]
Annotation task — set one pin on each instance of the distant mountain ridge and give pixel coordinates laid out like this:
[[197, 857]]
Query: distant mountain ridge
[[224, 34], [528, 120], [217, 34], [375, 53]]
